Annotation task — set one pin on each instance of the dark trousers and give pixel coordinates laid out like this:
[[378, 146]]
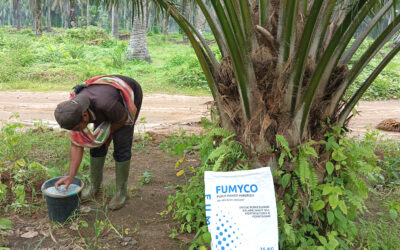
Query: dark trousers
[[122, 139]]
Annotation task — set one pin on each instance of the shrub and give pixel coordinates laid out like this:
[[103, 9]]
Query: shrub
[[219, 152], [27, 159], [75, 51], [86, 34], [186, 72], [311, 213]]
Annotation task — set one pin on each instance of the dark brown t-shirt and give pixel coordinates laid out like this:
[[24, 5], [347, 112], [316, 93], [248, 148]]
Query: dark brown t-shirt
[[106, 102]]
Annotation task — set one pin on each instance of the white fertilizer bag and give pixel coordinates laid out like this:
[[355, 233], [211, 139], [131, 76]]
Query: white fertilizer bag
[[241, 209]]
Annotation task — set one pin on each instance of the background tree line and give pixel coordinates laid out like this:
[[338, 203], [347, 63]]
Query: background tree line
[[45, 14], [119, 16]]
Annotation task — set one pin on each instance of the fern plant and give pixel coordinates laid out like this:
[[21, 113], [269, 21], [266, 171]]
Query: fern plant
[[308, 207]]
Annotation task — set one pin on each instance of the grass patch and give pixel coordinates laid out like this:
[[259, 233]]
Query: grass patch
[[59, 60]]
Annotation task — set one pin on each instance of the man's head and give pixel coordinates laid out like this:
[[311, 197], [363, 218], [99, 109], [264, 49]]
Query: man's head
[[72, 114]]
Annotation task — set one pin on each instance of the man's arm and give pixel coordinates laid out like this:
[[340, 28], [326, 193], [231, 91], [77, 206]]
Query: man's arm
[[75, 155]]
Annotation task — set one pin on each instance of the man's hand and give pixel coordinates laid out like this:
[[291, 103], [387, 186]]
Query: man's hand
[[75, 157], [66, 181], [108, 141]]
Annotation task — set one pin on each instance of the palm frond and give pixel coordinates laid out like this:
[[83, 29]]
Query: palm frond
[[263, 10], [214, 26], [288, 30], [302, 55], [331, 56], [350, 52], [365, 58], [357, 96], [317, 45]]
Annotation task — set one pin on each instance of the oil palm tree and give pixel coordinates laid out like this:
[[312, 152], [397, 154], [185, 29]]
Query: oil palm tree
[[87, 13], [38, 17], [114, 21], [137, 48], [64, 7], [16, 11], [285, 67]]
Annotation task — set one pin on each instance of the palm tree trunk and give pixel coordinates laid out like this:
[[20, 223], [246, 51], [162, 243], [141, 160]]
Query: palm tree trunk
[[72, 14], [38, 18], [19, 14], [200, 20], [147, 13], [185, 13], [10, 18], [87, 13], [32, 4], [166, 24], [114, 21], [138, 44], [125, 22], [66, 14], [14, 13]]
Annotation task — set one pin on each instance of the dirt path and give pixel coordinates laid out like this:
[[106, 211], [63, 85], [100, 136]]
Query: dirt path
[[165, 113], [371, 113], [161, 113]]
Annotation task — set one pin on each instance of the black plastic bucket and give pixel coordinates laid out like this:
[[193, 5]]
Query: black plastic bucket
[[61, 207]]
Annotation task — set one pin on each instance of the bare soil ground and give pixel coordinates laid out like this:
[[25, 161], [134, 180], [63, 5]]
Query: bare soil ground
[[161, 113], [142, 223]]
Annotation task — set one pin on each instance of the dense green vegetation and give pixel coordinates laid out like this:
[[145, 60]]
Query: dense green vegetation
[[360, 206], [61, 59]]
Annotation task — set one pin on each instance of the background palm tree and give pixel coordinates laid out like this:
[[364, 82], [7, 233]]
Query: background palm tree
[[137, 48], [72, 14], [16, 7], [114, 21], [87, 13], [38, 17], [63, 6]]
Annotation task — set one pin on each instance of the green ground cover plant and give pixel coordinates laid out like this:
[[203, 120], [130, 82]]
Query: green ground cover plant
[[60, 59], [349, 209], [27, 158]]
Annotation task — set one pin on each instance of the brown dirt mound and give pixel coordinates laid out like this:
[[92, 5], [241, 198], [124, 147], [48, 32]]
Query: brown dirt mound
[[389, 125]]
